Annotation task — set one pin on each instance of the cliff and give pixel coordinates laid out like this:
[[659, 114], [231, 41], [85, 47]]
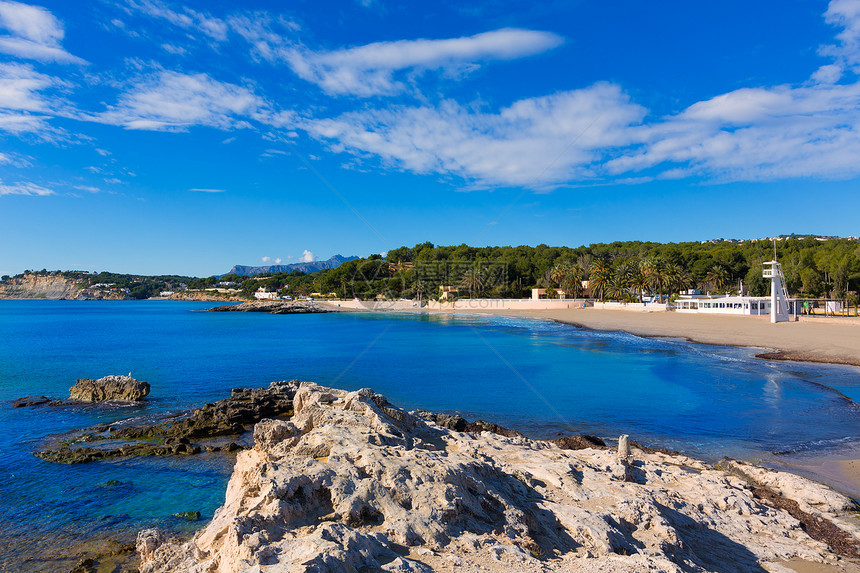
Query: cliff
[[52, 287], [352, 483]]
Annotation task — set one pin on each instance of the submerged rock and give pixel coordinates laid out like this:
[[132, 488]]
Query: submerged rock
[[352, 483], [109, 388], [30, 401]]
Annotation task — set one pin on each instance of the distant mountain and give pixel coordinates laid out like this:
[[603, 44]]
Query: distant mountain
[[311, 267]]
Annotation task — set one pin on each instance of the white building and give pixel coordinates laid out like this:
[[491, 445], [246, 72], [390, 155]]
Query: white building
[[751, 305], [263, 294], [778, 306]]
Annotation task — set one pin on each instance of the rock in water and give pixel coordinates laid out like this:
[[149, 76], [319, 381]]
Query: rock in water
[[352, 483], [109, 388], [30, 401]]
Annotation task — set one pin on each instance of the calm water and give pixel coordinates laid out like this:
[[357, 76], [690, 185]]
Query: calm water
[[541, 378]]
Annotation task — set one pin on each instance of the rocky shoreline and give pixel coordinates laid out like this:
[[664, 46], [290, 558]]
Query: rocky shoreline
[[274, 307], [351, 483], [187, 433]]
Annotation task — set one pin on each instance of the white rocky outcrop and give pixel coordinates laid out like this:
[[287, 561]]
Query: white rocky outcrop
[[353, 484]]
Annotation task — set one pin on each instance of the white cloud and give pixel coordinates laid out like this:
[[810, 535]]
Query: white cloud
[[19, 87], [278, 261], [34, 33], [30, 189], [844, 14], [534, 142], [307, 256], [174, 49], [757, 134], [87, 188], [370, 69], [765, 133], [266, 259], [22, 107], [174, 102], [188, 19], [203, 190], [597, 134]]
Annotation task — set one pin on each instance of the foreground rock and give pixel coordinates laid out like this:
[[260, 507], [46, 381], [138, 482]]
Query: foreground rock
[[353, 484], [274, 307], [123, 388], [182, 435]]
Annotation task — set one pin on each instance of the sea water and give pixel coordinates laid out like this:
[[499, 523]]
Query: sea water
[[541, 378]]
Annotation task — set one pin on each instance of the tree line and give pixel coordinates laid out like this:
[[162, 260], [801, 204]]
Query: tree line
[[622, 270]]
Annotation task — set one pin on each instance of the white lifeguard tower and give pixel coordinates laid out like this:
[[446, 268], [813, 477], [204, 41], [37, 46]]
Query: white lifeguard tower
[[779, 304]]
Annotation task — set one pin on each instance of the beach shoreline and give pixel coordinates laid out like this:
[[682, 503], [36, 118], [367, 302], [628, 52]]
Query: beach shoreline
[[822, 341], [817, 340]]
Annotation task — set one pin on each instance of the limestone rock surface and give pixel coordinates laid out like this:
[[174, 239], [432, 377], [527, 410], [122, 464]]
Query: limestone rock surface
[[108, 388], [353, 484]]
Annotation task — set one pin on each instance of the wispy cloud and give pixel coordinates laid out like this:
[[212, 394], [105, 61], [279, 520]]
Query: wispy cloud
[[202, 190], [185, 18], [24, 188], [511, 147], [843, 14], [23, 107], [171, 101], [597, 134], [33, 33], [370, 70], [20, 85], [756, 134], [87, 188]]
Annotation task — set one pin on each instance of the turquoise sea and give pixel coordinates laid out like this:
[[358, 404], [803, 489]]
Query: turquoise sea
[[541, 378]]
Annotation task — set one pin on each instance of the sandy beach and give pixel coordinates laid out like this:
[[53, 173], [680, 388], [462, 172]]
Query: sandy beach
[[835, 340]]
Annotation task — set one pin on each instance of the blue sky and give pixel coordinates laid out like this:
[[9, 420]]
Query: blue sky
[[154, 137]]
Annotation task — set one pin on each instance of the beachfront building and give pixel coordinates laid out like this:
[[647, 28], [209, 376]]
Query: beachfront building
[[447, 292], [540, 293], [718, 304], [263, 294]]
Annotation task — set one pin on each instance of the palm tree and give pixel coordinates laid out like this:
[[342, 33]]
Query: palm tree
[[678, 277], [473, 280], [572, 282], [599, 276], [420, 288], [655, 272], [638, 279], [617, 287], [717, 277], [559, 271]]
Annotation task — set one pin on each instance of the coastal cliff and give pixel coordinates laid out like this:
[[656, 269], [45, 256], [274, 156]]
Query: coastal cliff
[[49, 287], [352, 483]]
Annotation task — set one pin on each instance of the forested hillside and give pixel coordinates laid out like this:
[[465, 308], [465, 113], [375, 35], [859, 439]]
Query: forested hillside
[[619, 270]]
